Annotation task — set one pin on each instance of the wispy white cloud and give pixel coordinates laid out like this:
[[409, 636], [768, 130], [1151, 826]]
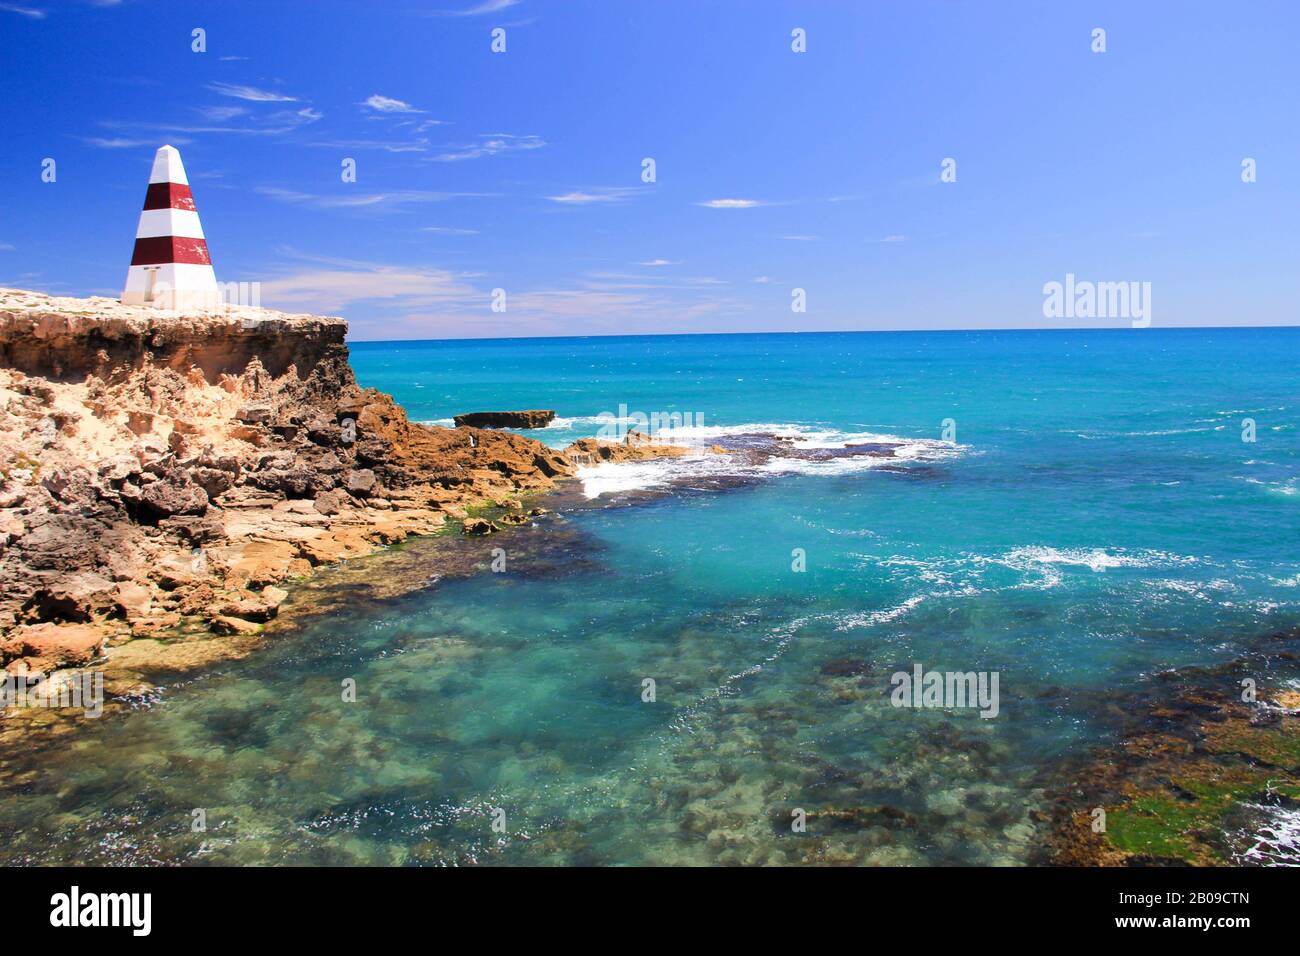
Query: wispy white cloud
[[449, 231], [386, 104], [346, 200], [490, 144], [332, 290], [387, 145], [220, 114], [31, 13], [801, 238], [251, 93], [122, 142], [894, 238], [660, 282], [660, 262], [272, 124], [416, 125], [596, 195], [403, 301], [487, 6], [731, 203]]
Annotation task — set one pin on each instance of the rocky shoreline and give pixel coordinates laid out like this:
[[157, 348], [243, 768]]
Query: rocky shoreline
[[168, 480], [1204, 771], [167, 475]]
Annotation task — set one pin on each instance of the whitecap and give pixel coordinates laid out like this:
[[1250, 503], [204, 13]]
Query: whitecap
[[883, 616], [703, 464]]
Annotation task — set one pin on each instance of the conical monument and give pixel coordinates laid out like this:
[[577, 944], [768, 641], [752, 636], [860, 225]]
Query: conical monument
[[170, 268]]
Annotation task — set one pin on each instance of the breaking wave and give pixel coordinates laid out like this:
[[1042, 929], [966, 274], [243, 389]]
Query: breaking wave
[[759, 450]]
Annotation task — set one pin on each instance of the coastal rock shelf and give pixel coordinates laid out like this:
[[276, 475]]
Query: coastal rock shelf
[[68, 339], [531, 418], [162, 469]]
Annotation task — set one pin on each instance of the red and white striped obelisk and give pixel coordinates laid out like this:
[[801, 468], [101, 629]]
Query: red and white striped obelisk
[[170, 268]]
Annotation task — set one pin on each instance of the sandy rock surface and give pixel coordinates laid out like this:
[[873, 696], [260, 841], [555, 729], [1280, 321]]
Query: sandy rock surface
[[165, 476], [160, 469]]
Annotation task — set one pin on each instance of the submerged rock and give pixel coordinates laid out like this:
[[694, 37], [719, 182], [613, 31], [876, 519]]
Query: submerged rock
[[1198, 777]]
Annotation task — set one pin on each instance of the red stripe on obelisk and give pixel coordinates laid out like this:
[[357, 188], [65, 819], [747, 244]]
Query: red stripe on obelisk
[[161, 250], [169, 196]]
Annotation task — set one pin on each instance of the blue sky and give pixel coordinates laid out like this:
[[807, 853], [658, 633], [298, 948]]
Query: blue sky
[[522, 170]]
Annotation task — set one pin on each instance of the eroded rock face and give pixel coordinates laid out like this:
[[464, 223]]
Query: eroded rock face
[[68, 339], [159, 468], [531, 418], [174, 496]]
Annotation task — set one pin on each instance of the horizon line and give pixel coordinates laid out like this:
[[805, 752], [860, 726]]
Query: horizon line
[[666, 335]]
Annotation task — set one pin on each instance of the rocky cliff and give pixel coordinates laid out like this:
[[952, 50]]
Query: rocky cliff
[[160, 469]]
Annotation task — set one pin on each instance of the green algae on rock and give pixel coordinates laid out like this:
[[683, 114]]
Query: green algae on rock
[[1204, 779]]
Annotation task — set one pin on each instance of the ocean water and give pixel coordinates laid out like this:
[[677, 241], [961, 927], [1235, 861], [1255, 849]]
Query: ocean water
[[1090, 517]]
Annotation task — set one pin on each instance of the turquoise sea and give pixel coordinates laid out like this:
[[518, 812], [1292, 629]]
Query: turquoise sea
[[1091, 516]]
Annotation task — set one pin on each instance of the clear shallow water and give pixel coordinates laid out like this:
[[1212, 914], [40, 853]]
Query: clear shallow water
[[1097, 519]]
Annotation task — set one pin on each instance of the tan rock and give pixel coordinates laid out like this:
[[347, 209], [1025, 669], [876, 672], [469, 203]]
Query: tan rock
[[134, 600], [234, 625], [48, 647]]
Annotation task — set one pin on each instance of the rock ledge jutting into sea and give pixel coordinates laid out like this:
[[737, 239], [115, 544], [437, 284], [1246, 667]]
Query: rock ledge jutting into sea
[[530, 418], [160, 469]]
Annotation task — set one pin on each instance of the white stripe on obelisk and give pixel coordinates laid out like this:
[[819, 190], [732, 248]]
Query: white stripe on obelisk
[[169, 222]]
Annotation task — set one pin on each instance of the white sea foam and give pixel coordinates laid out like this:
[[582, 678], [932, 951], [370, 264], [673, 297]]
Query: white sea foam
[[1158, 433], [577, 421], [1277, 838], [607, 478], [703, 464], [1095, 559], [1289, 487], [883, 616], [1033, 567]]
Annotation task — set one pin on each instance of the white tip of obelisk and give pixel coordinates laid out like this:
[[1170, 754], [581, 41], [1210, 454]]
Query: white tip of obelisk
[[167, 167]]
